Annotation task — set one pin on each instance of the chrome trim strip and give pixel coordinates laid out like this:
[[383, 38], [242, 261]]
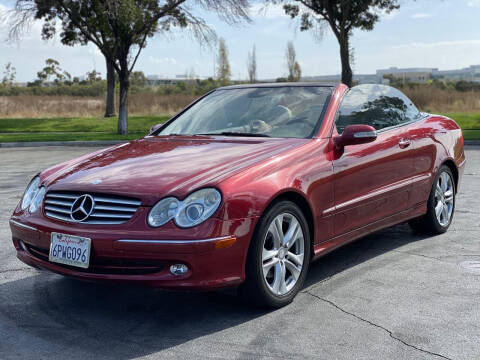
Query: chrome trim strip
[[172, 242], [116, 201], [56, 209], [61, 196], [115, 208], [378, 192], [58, 202], [365, 134], [23, 225]]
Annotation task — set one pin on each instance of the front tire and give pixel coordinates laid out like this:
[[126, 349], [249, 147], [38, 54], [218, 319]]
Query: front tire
[[440, 205], [278, 258]]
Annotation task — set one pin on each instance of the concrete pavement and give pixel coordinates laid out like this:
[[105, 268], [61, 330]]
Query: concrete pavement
[[391, 295]]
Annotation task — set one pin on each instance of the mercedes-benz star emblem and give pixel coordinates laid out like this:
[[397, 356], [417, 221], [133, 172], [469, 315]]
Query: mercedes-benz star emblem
[[82, 208]]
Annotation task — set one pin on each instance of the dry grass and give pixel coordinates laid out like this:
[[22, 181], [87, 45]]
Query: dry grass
[[29, 106], [427, 98], [431, 99]]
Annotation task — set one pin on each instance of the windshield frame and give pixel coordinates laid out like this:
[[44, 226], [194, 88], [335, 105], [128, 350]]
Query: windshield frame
[[315, 130]]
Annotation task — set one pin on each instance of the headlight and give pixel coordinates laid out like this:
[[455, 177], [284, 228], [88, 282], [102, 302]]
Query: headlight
[[164, 211], [30, 193], [37, 200], [195, 209]]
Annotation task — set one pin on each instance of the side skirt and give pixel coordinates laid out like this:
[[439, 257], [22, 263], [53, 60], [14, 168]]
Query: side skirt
[[325, 247]]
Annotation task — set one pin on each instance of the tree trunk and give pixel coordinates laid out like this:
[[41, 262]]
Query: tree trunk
[[110, 107], [345, 58], [123, 108]]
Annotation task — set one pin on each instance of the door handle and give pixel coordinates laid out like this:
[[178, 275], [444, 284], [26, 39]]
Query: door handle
[[404, 143]]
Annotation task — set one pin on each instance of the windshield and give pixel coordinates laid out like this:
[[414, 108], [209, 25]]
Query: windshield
[[286, 112]]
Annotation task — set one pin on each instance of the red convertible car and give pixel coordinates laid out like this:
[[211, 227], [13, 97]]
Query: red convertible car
[[245, 187]]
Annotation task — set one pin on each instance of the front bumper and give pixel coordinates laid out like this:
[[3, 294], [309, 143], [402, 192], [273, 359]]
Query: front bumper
[[217, 260]]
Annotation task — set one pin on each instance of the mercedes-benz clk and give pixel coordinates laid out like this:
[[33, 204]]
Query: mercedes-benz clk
[[244, 188]]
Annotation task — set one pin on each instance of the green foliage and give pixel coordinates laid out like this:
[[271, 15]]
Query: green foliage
[[92, 77], [460, 86], [120, 28], [138, 82], [297, 72], [9, 76], [252, 65], [293, 67], [53, 71], [223, 68], [74, 89], [342, 17]]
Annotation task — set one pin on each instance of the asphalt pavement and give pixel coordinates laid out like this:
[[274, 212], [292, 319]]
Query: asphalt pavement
[[391, 295]]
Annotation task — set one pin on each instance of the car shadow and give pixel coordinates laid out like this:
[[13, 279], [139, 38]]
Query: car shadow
[[361, 251], [124, 322]]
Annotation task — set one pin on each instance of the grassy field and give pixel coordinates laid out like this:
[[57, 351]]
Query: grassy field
[[469, 122], [84, 129], [69, 129]]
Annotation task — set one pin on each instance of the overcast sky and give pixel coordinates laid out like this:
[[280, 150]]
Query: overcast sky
[[426, 33]]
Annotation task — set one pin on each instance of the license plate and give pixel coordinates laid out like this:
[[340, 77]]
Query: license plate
[[70, 250]]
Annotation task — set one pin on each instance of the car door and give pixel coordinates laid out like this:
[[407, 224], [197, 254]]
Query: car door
[[372, 181]]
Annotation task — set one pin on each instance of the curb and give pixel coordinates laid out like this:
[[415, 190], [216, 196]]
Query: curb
[[472, 142], [62, 143]]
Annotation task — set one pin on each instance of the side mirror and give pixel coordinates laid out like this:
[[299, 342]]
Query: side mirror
[[155, 127], [354, 135]]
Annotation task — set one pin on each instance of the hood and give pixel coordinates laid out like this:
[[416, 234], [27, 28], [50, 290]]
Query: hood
[[154, 167]]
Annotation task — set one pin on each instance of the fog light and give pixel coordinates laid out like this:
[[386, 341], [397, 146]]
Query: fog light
[[22, 245], [179, 269]]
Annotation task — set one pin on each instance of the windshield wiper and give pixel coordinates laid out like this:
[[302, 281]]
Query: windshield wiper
[[232, 133]]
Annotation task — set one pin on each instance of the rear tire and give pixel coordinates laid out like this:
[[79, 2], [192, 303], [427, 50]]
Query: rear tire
[[278, 258], [440, 205]]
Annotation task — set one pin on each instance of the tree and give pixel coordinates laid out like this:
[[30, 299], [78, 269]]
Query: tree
[[252, 66], [223, 70], [293, 67], [92, 77], [138, 79], [297, 72], [28, 9], [9, 75], [191, 82], [343, 16], [53, 71], [120, 28]]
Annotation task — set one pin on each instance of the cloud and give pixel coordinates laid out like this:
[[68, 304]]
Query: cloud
[[421, 16]]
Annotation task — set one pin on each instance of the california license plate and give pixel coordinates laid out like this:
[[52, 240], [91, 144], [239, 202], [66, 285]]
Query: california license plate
[[70, 250]]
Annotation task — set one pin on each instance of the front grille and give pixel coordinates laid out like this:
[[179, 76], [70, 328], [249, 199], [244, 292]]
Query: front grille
[[106, 265], [107, 209]]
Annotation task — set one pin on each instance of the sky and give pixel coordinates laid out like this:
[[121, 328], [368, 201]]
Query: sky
[[443, 34]]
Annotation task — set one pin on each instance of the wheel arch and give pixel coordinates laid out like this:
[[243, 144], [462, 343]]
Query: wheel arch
[[453, 168], [300, 200]]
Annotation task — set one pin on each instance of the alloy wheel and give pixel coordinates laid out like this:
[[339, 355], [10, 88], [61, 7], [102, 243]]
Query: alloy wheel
[[444, 199], [283, 254]]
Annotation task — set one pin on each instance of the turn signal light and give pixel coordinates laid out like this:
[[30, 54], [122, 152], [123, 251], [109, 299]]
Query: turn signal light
[[224, 243]]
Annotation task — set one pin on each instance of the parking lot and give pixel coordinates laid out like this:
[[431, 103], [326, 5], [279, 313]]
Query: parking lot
[[391, 295]]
